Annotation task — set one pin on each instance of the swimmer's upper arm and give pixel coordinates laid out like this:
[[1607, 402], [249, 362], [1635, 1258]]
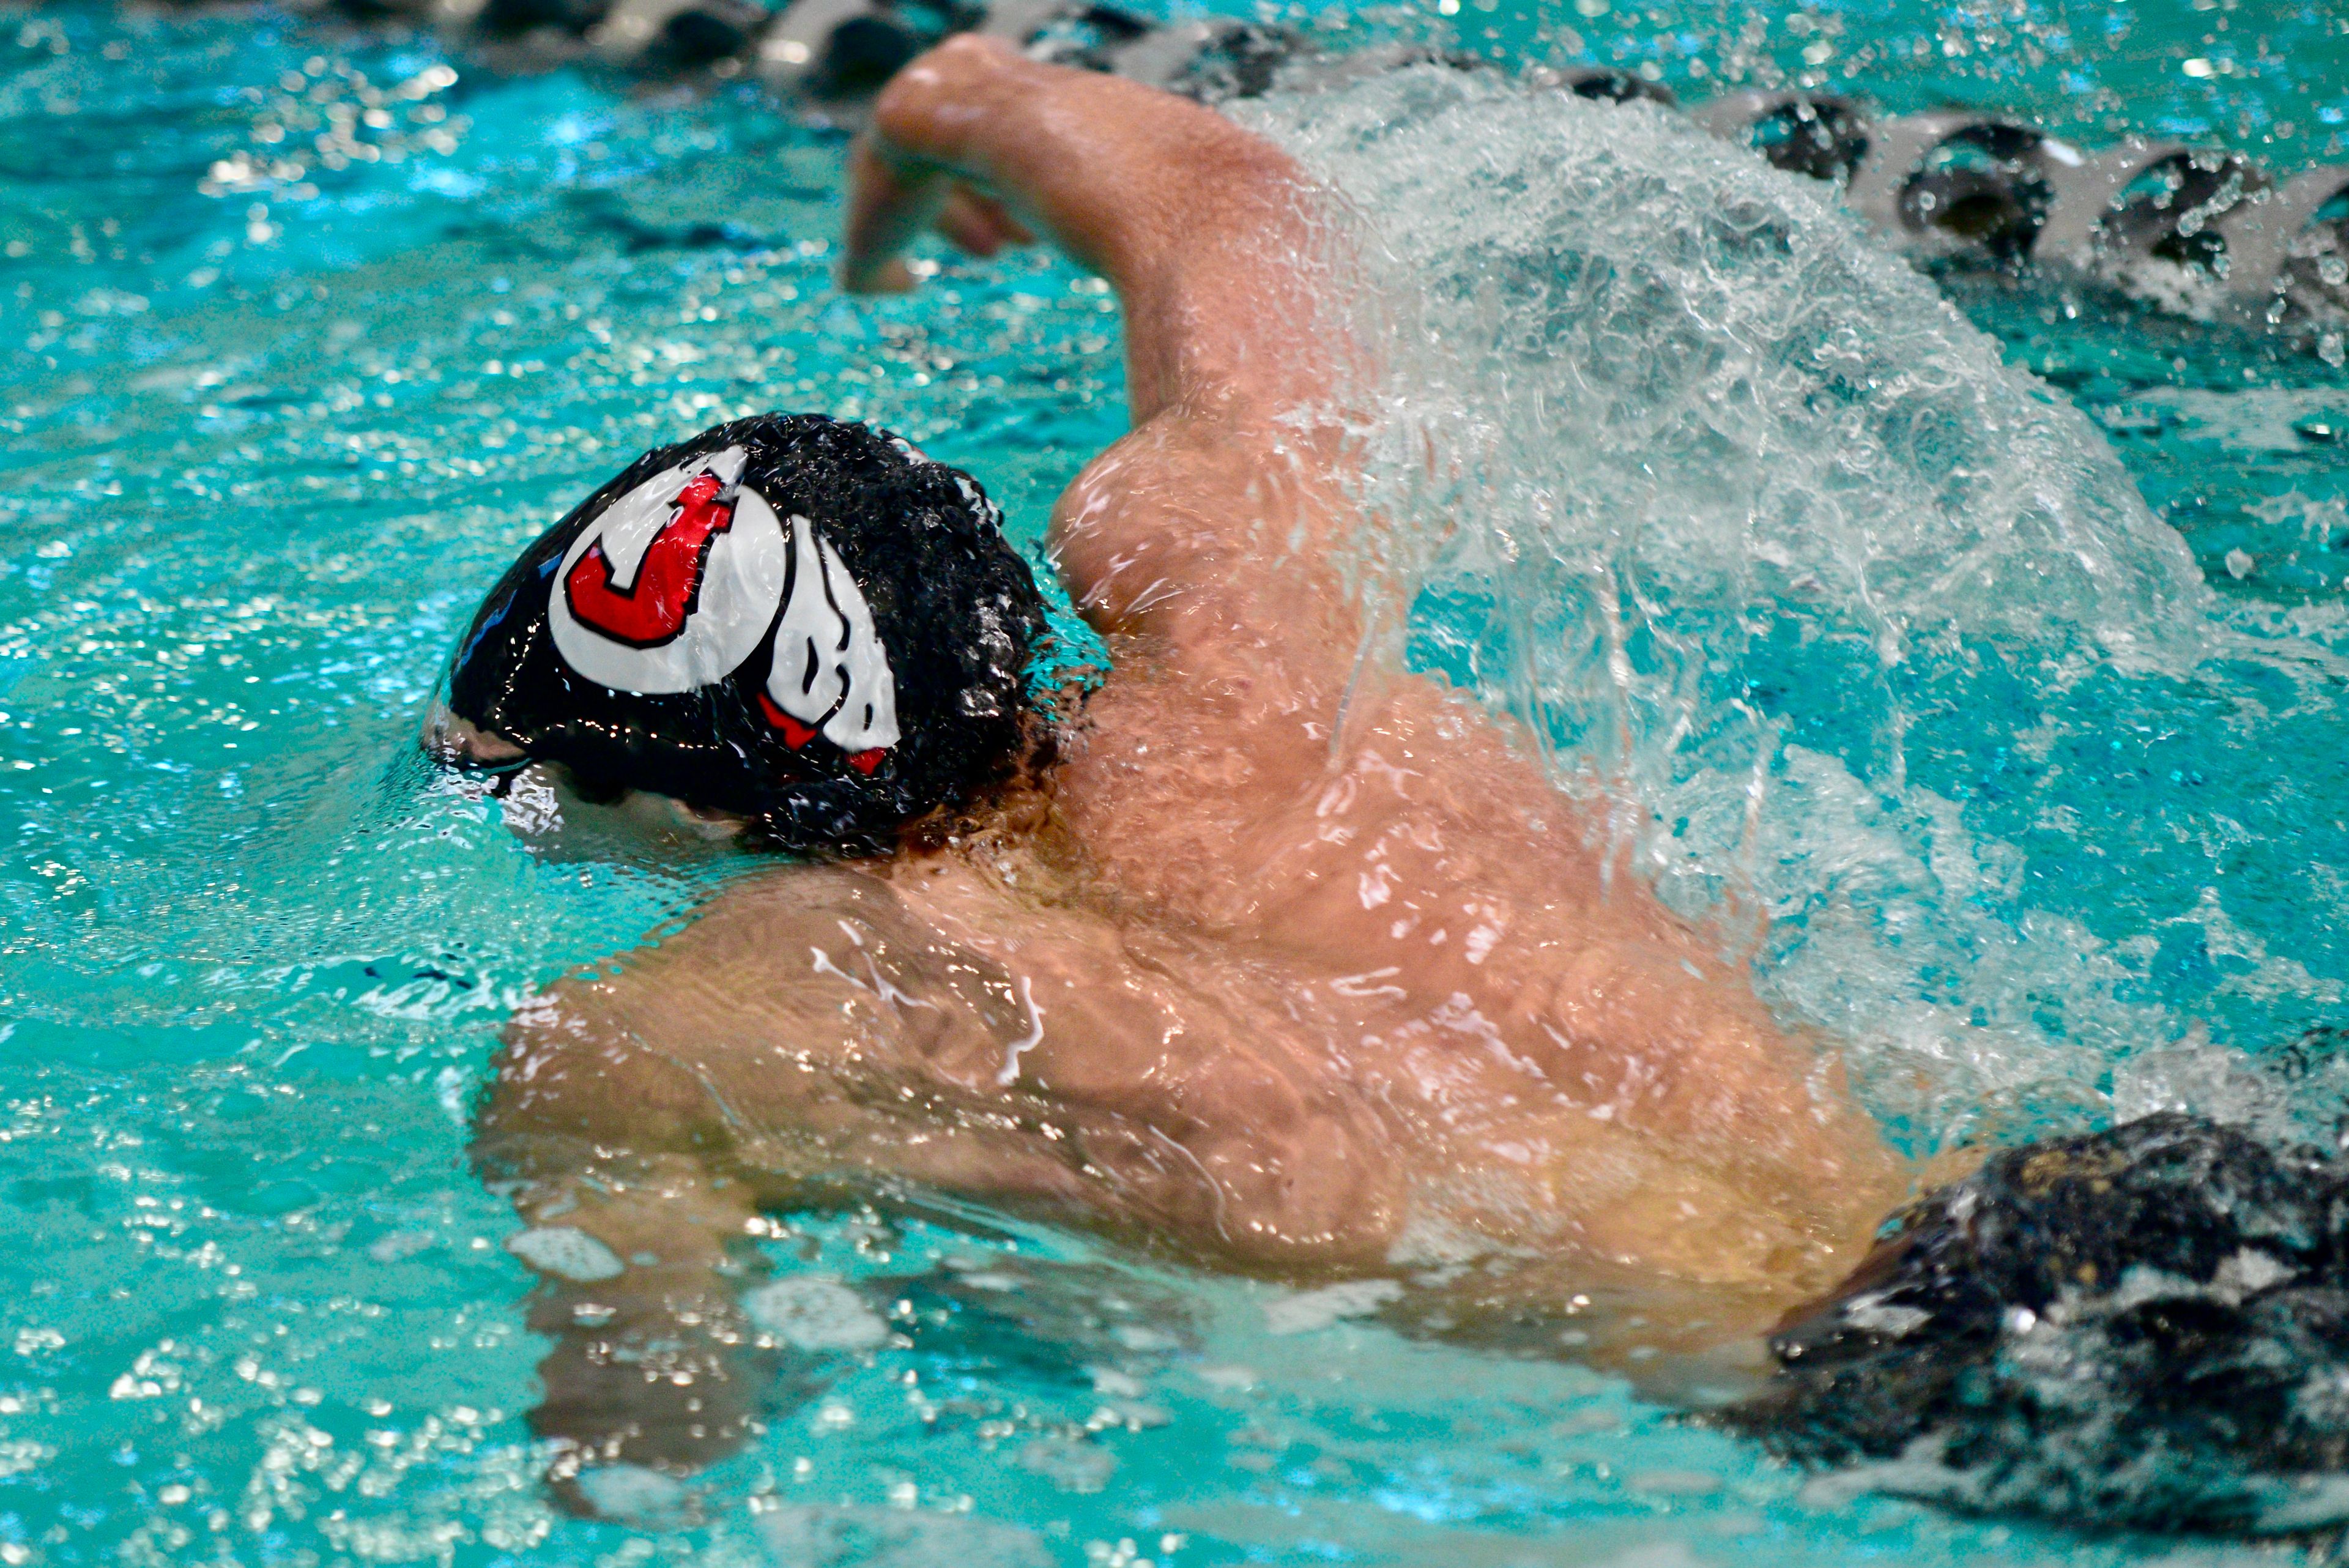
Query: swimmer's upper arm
[[1215, 541], [694, 1041], [1040, 1062]]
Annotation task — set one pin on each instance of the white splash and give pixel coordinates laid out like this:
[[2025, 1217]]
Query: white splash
[[1747, 522]]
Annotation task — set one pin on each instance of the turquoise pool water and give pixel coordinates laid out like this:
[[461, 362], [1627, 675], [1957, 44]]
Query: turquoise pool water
[[2047, 845]]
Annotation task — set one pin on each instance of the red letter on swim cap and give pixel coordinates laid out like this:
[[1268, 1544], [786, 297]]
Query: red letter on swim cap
[[653, 610], [796, 734]]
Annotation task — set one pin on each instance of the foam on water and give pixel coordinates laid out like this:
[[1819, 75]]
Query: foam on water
[[813, 1313], [1788, 568]]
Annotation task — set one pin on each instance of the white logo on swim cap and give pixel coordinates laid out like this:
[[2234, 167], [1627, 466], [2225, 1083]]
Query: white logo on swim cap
[[672, 587], [830, 675]]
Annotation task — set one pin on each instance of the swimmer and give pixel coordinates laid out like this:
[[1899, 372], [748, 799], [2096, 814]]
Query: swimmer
[[1270, 956], [1286, 964]]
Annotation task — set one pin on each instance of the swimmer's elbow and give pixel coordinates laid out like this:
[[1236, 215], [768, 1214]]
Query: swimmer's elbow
[[942, 93]]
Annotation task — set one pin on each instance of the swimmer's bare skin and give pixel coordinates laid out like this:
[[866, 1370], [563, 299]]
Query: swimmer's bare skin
[[1311, 969]]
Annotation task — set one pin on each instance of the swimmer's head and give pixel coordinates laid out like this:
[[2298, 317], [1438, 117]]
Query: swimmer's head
[[788, 618]]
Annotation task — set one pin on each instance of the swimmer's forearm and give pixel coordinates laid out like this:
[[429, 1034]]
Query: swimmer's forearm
[[1205, 231]]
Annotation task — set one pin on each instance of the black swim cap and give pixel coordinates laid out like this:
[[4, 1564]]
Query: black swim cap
[[788, 617]]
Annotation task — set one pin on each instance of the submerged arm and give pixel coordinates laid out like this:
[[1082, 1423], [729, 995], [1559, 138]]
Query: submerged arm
[[639, 1258]]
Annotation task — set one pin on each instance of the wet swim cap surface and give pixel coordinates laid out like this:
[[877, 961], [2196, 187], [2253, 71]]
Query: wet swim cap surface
[[790, 616]]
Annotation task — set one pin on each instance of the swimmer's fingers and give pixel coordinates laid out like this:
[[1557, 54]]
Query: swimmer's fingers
[[891, 199], [979, 223]]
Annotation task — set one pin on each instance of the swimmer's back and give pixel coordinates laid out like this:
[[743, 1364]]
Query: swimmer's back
[[1249, 773]]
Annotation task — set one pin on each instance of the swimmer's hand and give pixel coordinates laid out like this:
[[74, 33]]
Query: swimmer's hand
[[902, 179], [975, 223], [1207, 232]]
